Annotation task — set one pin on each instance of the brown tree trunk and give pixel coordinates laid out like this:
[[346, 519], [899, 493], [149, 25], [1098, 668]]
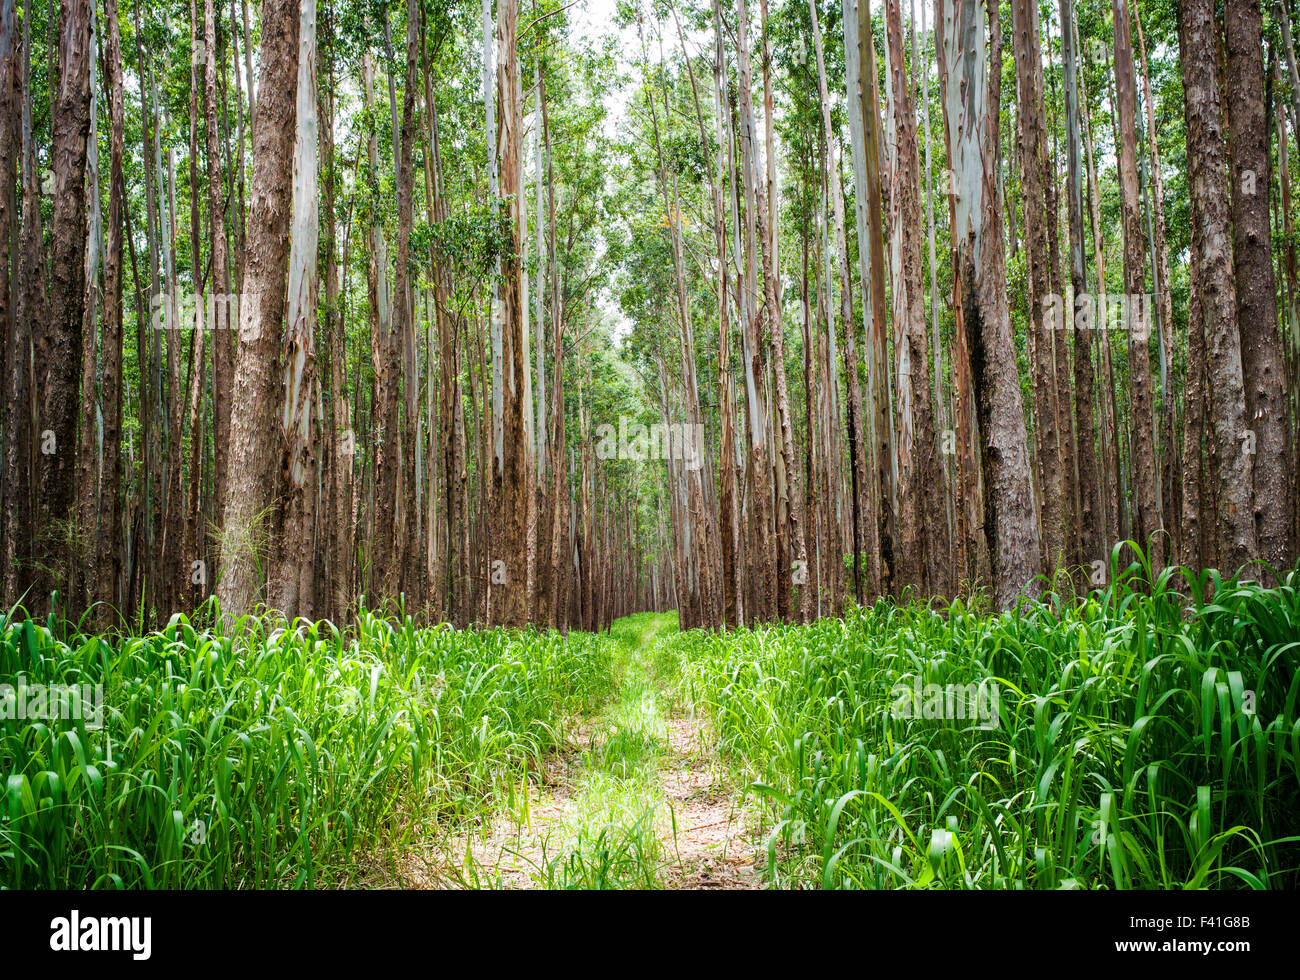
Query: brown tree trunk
[[291, 583], [557, 615], [794, 556], [110, 550], [258, 373], [864, 530], [59, 345], [1191, 553], [882, 529], [384, 438], [1088, 519], [337, 460], [1034, 179], [971, 99], [1263, 370], [728, 507], [1165, 309], [1211, 238], [512, 483], [223, 343], [403, 570], [839, 266], [15, 342], [921, 485], [456, 586], [1106, 389], [82, 579], [1147, 530], [762, 564]]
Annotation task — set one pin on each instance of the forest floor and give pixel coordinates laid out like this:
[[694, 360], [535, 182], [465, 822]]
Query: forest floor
[[637, 798]]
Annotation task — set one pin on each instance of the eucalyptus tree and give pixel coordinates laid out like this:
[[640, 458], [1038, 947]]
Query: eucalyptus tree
[[1147, 529], [258, 379], [1263, 370], [58, 345], [426, 430], [970, 79], [1045, 329], [924, 559], [1088, 518], [1212, 260], [292, 581]]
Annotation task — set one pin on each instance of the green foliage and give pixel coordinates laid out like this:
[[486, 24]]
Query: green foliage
[[1124, 754], [268, 760], [473, 239]]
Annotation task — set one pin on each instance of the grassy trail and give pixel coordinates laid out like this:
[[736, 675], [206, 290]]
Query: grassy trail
[[638, 799]]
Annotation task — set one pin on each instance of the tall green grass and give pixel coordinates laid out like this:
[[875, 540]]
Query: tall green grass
[[1124, 753], [268, 759]]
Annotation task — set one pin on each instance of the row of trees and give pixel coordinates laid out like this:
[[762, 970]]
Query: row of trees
[[328, 399], [932, 303], [1004, 427]]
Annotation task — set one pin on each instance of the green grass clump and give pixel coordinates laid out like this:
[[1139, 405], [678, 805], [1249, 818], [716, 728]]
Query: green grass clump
[[268, 758], [624, 853], [1144, 738]]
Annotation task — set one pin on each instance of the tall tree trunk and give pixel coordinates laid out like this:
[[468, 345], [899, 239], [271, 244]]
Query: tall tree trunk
[[110, 550], [385, 561], [544, 503], [1292, 319], [794, 556], [865, 485], [971, 110], [458, 608], [950, 574], [1164, 309], [1088, 520], [223, 344], [15, 341], [512, 483], [1191, 553], [1034, 180], [1212, 250], [403, 570], [921, 484], [20, 426], [258, 373], [1147, 529], [338, 452], [291, 582], [59, 345], [1263, 370], [557, 615], [762, 566], [882, 534], [1109, 431], [82, 579], [729, 508]]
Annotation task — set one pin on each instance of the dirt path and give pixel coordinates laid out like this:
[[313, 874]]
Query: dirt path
[[638, 798], [713, 847], [513, 851]]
